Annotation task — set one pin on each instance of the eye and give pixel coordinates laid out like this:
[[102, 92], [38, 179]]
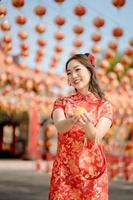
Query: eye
[[78, 69], [68, 73]]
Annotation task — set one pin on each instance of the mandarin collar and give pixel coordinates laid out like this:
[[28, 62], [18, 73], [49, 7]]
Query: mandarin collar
[[88, 96]]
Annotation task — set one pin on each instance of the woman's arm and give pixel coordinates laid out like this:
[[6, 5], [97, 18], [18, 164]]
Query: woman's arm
[[61, 123], [100, 129]]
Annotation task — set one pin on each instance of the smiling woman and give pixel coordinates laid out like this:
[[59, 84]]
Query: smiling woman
[[80, 118]]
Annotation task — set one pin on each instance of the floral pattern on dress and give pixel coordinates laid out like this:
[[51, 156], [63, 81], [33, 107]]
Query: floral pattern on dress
[[67, 182]]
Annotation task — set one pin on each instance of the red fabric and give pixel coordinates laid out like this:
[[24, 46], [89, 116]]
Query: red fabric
[[67, 183]]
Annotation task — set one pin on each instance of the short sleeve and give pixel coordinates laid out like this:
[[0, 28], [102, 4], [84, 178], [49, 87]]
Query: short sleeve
[[107, 110], [59, 103]]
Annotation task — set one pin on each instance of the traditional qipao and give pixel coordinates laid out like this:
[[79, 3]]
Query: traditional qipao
[[67, 182]]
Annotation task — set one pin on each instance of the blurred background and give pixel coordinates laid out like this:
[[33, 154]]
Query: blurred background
[[36, 39]]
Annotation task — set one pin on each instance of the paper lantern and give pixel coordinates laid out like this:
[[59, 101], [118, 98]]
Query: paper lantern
[[117, 32], [109, 54], [112, 76], [129, 52], [24, 46], [58, 48], [56, 58], [7, 39], [80, 10], [3, 11], [98, 22], [18, 3], [40, 10], [78, 29], [59, 20], [41, 52], [126, 60], [96, 49], [78, 43], [113, 45], [59, 1], [5, 26], [131, 42], [96, 37], [8, 60], [3, 77], [29, 85], [119, 68], [59, 35], [6, 47], [40, 28], [104, 64], [41, 42], [22, 35], [24, 53], [118, 3], [21, 20], [130, 73]]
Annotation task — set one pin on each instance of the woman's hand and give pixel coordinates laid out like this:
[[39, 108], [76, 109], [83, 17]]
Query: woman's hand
[[75, 119], [84, 119]]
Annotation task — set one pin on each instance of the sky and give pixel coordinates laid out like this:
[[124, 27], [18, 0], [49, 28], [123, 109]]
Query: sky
[[113, 17]]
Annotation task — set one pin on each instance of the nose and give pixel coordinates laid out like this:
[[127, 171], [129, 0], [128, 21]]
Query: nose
[[74, 75]]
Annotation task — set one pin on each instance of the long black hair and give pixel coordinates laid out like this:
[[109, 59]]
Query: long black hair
[[90, 65]]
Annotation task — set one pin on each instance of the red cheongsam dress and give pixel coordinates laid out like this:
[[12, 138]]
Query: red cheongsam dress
[[67, 182]]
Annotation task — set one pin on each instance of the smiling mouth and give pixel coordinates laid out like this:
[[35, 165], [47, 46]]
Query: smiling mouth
[[76, 81]]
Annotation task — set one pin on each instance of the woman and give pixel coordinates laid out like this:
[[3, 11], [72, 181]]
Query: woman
[[74, 126]]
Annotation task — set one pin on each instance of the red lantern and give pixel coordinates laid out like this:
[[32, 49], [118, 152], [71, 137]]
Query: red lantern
[[104, 64], [113, 45], [56, 58], [96, 49], [41, 52], [40, 28], [22, 35], [40, 10], [7, 39], [117, 32], [53, 64], [98, 22], [112, 76], [126, 60], [78, 29], [18, 3], [5, 26], [79, 10], [78, 43], [96, 37], [118, 3], [38, 58], [8, 60], [119, 68], [59, 35], [3, 11], [128, 52], [6, 47], [41, 42], [130, 73], [109, 54], [59, 20], [29, 85], [131, 42], [24, 46], [24, 53], [21, 20], [59, 1], [58, 48]]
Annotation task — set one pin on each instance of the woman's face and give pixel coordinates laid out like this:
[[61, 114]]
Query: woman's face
[[78, 75]]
